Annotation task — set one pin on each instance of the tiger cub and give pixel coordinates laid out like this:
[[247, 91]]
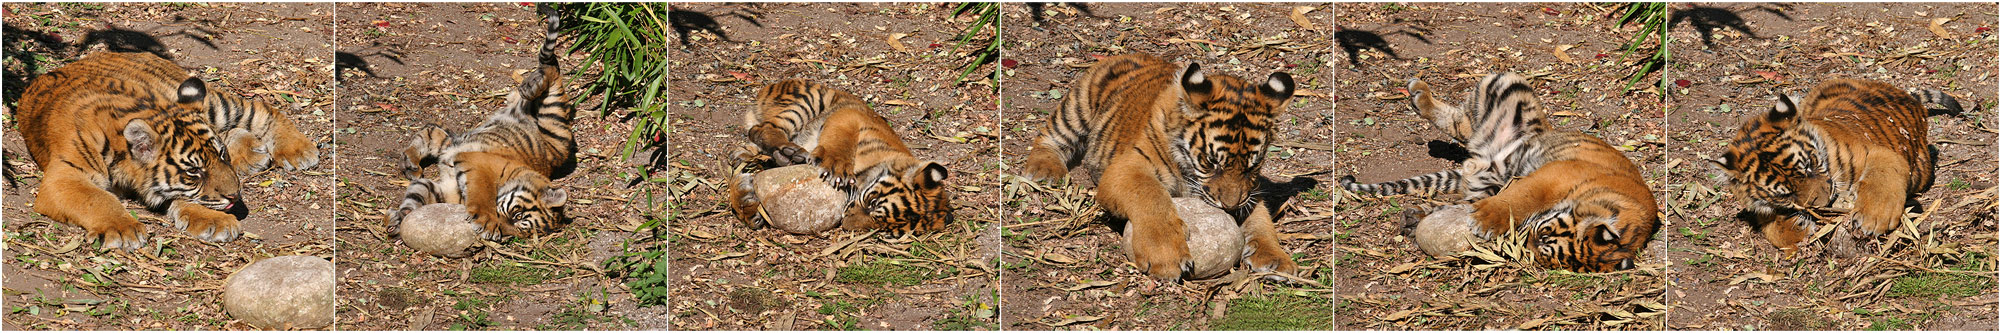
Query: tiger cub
[[1156, 131], [136, 125], [1583, 204], [1492, 137], [501, 170], [1852, 146], [857, 151]]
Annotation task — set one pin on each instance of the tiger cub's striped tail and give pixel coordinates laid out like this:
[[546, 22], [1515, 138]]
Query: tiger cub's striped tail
[[1441, 182], [1944, 101]]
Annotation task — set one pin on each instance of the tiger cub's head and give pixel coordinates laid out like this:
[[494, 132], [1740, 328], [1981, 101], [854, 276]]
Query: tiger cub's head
[[531, 203], [1583, 237], [908, 196], [1773, 167], [1228, 130], [175, 156]]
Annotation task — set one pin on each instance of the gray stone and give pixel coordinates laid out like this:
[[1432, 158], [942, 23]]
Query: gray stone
[[796, 200], [282, 293], [442, 229], [1214, 240], [1445, 231]]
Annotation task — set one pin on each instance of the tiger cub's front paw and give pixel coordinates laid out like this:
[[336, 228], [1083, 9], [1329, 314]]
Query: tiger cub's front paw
[[789, 155], [743, 201], [295, 152], [1161, 252], [1786, 233], [208, 225], [1271, 260], [497, 229], [1043, 165], [246, 152], [123, 234], [837, 170]]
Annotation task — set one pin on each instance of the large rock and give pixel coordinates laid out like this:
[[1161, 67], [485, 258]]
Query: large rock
[[1214, 239], [796, 200], [1445, 231], [282, 293], [441, 229]]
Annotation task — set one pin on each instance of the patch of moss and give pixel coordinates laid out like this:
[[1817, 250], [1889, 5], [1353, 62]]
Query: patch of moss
[[1277, 313], [1933, 284], [884, 271], [510, 273], [1799, 320]]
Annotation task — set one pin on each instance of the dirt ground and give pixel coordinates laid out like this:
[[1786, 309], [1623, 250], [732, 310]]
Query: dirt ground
[[1572, 52], [1067, 271], [452, 64], [57, 280], [900, 58], [1725, 276]]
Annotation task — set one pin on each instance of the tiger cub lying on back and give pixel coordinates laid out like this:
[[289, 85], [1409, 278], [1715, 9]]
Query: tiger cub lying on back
[[501, 170], [1851, 146], [858, 151], [136, 125], [1585, 206], [1156, 131]]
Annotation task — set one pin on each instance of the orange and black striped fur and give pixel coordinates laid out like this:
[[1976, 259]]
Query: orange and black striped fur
[[1155, 131], [858, 151], [1852, 147], [502, 169], [1585, 206], [136, 125]]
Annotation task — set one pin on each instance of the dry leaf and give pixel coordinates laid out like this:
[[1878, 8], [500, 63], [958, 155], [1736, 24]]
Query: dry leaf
[[1088, 285], [894, 42], [1767, 277], [1399, 315], [1768, 75], [1299, 17], [1076, 320], [1937, 27], [1562, 52]]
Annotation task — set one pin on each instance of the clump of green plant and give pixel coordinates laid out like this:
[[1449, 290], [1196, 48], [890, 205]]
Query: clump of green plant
[[645, 270], [1652, 20], [989, 19], [627, 44]]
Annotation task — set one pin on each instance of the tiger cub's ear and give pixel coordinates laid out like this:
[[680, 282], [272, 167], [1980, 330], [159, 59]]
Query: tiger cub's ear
[[1787, 108], [554, 196], [1279, 87], [1193, 80], [192, 90], [139, 139], [928, 174]]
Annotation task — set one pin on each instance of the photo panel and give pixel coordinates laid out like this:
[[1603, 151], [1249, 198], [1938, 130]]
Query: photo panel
[[1166, 166], [835, 166], [1869, 203], [489, 175], [1499, 164], [167, 165]]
